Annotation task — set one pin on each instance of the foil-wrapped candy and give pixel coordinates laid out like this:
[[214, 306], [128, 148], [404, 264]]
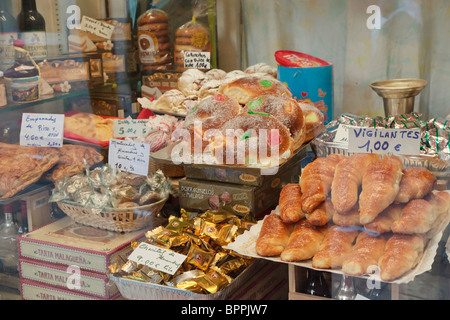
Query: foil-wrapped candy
[[208, 267]]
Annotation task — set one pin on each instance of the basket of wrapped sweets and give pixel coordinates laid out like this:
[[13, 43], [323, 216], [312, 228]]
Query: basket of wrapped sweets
[[111, 199], [205, 271]]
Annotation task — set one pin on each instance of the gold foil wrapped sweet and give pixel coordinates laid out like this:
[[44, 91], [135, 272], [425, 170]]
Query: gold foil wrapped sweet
[[208, 268]]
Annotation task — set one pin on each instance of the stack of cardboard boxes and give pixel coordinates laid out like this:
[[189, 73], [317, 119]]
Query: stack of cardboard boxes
[[68, 261]]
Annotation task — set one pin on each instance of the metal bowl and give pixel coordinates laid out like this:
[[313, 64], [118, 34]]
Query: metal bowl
[[398, 94]]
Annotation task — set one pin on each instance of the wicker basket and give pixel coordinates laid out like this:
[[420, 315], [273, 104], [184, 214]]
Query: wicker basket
[[113, 219], [169, 170]]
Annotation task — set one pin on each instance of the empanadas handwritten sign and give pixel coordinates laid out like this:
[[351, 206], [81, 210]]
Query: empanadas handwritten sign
[[129, 156], [384, 141], [157, 258], [42, 130]]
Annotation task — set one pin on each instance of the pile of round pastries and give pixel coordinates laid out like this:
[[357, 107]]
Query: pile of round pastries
[[356, 213], [250, 107]]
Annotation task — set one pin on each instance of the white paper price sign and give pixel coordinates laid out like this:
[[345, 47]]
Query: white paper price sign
[[129, 156], [130, 128], [99, 28], [42, 130], [383, 141], [341, 134], [157, 258], [197, 60]]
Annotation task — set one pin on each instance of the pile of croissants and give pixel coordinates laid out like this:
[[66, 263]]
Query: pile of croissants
[[355, 212]]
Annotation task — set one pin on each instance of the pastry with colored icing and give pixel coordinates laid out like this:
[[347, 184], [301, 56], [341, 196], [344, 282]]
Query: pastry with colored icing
[[285, 109], [247, 88], [209, 115], [252, 140]]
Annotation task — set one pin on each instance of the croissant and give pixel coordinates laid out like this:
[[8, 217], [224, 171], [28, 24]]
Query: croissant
[[347, 180], [290, 204], [380, 186], [322, 214], [416, 183], [383, 222], [316, 180], [401, 254], [419, 215], [273, 237], [335, 248], [350, 218], [368, 249], [304, 242]]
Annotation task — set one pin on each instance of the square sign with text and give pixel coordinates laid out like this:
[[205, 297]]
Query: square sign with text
[[129, 156], [42, 130]]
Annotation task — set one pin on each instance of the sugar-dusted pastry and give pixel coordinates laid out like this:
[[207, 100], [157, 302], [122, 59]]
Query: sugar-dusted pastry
[[383, 222], [169, 100], [263, 68], [416, 183], [273, 237], [335, 248], [191, 81], [247, 88], [401, 254], [420, 215], [290, 204], [304, 242], [380, 186], [208, 116], [366, 252], [285, 109], [348, 179], [316, 180], [252, 140], [350, 218], [322, 214]]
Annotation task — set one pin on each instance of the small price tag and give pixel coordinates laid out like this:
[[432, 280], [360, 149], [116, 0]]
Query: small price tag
[[130, 128], [129, 156], [384, 141], [341, 134], [157, 258], [42, 130], [99, 28], [197, 60]]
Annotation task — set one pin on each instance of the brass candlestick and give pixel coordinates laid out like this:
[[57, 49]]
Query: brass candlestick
[[398, 94]]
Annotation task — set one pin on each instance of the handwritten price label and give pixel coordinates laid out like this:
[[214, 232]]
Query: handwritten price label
[[129, 156], [197, 60], [157, 258], [42, 130], [99, 28], [384, 141], [130, 128]]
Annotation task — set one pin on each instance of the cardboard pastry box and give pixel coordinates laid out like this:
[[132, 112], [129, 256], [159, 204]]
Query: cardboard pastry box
[[202, 195], [65, 242]]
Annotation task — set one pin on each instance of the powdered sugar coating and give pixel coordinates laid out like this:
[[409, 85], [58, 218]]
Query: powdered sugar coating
[[246, 88], [254, 131], [285, 109]]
